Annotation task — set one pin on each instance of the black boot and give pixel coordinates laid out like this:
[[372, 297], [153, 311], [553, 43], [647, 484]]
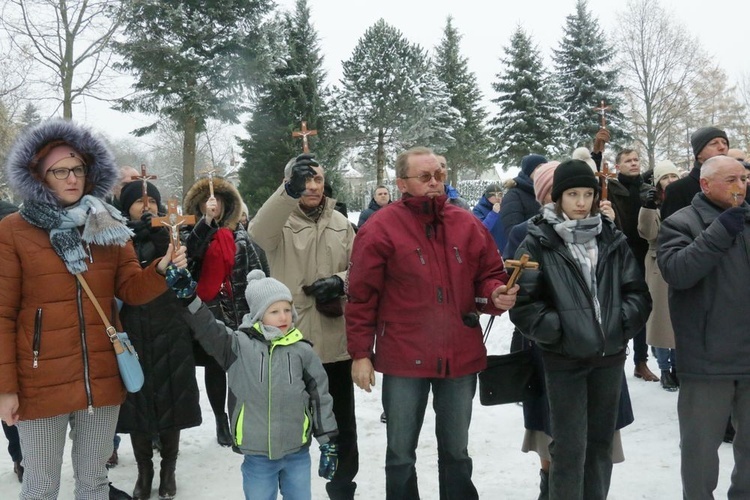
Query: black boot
[[170, 446], [667, 381], [543, 484], [340, 491], [18, 469], [223, 436], [115, 494], [144, 458]]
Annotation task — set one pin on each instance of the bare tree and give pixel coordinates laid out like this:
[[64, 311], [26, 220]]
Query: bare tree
[[660, 62], [69, 41]]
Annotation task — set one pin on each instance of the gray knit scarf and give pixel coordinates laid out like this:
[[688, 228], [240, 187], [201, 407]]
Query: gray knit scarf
[[579, 237], [102, 225]]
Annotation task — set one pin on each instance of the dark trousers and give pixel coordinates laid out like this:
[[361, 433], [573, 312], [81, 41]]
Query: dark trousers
[[14, 443], [640, 348], [341, 388], [404, 402], [583, 406]]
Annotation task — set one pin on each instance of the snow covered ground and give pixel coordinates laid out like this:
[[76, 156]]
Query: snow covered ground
[[501, 471]]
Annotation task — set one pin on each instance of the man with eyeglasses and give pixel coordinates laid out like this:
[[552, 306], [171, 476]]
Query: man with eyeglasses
[[421, 273]]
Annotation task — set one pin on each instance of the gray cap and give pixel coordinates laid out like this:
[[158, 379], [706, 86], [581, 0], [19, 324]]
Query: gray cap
[[261, 292]]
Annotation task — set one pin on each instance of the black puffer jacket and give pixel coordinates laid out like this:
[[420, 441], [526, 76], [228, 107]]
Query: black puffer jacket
[[519, 204], [555, 307], [367, 212], [169, 399]]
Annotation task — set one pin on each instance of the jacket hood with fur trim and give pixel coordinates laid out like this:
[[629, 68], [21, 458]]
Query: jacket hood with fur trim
[[103, 172], [200, 191]]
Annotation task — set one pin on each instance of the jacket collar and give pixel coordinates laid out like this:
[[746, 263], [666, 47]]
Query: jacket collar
[[427, 210], [709, 211]]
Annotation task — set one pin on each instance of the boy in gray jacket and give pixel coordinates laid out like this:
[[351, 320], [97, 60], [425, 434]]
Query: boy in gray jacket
[[278, 390]]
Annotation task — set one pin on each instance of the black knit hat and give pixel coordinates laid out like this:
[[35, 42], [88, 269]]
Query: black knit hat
[[573, 174], [530, 162], [703, 136], [133, 191]]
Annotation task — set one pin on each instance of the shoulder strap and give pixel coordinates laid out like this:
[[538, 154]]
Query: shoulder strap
[[111, 332]]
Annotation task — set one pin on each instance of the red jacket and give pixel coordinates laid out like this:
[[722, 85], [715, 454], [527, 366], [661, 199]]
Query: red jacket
[[417, 268]]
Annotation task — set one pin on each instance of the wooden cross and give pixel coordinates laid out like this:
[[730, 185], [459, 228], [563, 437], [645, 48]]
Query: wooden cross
[[604, 176], [210, 171], [602, 109], [145, 178], [304, 133], [518, 267], [173, 220]]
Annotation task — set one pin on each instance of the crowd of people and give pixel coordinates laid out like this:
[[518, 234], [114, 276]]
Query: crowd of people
[[289, 310]]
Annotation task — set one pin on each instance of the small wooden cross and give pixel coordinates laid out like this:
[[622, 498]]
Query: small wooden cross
[[736, 200], [604, 176], [602, 109], [145, 178], [209, 171], [173, 220], [518, 267], [304, 133]]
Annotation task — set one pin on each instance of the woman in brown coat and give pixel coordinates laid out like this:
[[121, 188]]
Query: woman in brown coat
[[56, 361]]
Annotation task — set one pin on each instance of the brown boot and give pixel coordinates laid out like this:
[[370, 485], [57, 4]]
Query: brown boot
[[642, 371]]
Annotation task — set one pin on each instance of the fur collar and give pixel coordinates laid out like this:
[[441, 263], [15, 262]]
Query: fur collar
[[103, 173], [200, 191]]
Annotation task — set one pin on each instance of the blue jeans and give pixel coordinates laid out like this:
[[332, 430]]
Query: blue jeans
[[664, 357], [583, 405], [262, 477], [404, 402]]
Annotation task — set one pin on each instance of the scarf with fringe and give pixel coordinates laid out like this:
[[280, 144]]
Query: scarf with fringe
[[102, 224], [579, 237]]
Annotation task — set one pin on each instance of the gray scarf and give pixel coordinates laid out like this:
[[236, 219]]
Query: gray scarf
[[102, 225], [579, 237]]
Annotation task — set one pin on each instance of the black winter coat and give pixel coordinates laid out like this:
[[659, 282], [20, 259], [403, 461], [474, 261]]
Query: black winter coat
[[169, 399], [555, 307], [519, 204], [626, 209], [367, 212]]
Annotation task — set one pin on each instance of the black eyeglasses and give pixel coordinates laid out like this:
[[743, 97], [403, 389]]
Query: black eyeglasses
[[424, 177], [64, 173]]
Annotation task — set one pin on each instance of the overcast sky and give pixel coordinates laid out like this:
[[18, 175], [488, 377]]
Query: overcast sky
[[722, 27]]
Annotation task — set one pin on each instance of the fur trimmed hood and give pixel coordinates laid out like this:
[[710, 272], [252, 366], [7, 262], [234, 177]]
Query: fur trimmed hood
[[200, 191], [103, 173]]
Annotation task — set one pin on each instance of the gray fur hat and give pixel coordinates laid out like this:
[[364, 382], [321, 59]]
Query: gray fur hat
[[261, 292], [23, 158]]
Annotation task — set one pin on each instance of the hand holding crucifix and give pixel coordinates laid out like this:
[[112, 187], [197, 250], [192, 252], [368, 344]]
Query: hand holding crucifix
[[209, 171]]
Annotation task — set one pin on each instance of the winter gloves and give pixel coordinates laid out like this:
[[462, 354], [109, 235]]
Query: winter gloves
[[733, 220], [327, 292], [649, 201], [181, 281], [325, 289], [301, 171], [329, 460]]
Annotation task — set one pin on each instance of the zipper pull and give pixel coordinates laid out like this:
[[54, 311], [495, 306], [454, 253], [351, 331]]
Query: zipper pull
[[36, 360], [458, 256], [91, 409], [419, 253], [91, 256]]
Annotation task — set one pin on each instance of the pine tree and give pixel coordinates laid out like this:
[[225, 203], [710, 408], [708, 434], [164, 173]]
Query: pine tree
[[471, 152], [586, 76], [190, 60], [30, 116], [294, 92], [527, 120], [392, 99]]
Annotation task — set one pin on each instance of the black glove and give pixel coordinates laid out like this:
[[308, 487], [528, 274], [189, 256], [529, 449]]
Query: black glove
[[649, 200], [301, 171], [733, 220], [325, 289]]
